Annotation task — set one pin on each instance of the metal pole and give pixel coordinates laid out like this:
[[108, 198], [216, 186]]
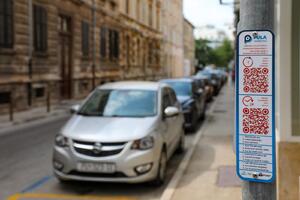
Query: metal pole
[[48, 98], [11, 106], [30, 48], [94, 44], [257, 15]]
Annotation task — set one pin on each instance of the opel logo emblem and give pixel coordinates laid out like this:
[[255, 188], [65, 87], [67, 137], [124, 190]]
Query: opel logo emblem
[[97, 148]]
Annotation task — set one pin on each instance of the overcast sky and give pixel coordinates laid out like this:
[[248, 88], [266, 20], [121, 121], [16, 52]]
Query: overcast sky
[[209, 12]]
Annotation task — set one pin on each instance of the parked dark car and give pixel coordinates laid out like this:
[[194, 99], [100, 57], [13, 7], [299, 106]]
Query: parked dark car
[[214, 79], [222, 75], [192, 99], [209, 89]]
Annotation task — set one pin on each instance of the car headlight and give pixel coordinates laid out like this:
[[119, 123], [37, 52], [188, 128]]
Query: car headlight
[[61, 141], [143, 144]]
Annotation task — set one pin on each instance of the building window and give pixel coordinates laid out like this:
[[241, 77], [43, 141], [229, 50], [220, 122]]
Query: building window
[[40, 28], [4, 97], [296, 69], [150, 13], [127, 51], [158, 17], [113, 45], [6, 23], [39, 92], [138, 8], [85, 30], [127, 6], [150, 53], [103, 42]]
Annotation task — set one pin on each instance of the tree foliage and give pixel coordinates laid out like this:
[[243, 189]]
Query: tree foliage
[[219, 56]]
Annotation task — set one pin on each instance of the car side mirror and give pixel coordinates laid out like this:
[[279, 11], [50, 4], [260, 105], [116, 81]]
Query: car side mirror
[[74, 109], [171, 111]]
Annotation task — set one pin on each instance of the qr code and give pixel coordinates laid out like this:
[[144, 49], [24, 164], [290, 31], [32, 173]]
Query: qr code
[[256, 120], [256, 80]]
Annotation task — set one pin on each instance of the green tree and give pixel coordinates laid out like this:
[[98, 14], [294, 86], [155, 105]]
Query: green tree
[[203, 52], [224, 53], [219, 56]]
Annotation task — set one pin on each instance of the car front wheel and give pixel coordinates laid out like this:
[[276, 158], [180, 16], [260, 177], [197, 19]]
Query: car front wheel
[[161, 173]]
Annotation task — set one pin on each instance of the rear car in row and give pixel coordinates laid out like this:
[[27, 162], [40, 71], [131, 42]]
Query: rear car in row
[[192, 97]]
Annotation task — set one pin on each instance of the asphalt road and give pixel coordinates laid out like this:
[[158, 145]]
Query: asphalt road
[[25, 167]]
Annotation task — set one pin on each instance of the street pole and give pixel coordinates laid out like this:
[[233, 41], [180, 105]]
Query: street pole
[[257, 15], [94, 10], [30, 50]]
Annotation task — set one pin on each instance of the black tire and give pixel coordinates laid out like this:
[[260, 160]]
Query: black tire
[[181, 144], [193, 127], [161, 172], [203, 115]]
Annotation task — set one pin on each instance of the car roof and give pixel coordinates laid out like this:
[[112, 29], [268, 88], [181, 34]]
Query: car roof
[[189, 80], [135, 85]]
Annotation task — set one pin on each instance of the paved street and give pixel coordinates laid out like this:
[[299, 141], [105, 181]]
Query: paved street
[[25, 158], [28, 170]]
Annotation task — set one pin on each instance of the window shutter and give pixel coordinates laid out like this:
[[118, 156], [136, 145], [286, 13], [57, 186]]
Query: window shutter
[[111, 44], [40, 28], [6, 23], [85, 38], [103, 42]]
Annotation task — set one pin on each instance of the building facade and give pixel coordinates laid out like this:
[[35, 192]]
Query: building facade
[[66, 48], [142, 39], [189, 48], [288, 97], [173, 49]]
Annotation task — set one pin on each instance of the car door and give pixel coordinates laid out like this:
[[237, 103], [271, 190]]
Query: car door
[[196, 97], [203, 95], [167, 121], [177, 121]]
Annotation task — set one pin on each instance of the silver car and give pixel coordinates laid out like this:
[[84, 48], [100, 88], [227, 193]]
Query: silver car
[[123, 132]]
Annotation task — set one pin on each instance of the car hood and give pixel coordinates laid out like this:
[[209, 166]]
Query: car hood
[[108, 129], [183, 99]]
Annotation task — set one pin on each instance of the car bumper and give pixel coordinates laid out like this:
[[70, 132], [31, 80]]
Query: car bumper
[[125, 163]]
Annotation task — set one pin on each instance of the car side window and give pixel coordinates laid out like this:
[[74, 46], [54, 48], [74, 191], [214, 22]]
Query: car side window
[[173, 98], [165, 99]]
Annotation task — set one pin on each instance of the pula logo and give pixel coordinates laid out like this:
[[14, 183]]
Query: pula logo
[[248, 39], [255, 37]]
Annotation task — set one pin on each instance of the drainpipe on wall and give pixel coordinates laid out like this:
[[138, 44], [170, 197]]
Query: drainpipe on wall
[[94, 43], [30, 49]]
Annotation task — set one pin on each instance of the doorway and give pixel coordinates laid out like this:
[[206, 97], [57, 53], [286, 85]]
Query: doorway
[[65, 54]]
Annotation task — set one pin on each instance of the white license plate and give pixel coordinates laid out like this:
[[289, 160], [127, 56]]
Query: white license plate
[[108, 168]]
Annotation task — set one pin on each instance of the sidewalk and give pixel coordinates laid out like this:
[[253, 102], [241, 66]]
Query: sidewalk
[[211, 171], [36, 114]]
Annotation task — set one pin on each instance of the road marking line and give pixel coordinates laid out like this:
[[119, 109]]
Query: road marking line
[[65, 197], [170, 189], [37, 184]]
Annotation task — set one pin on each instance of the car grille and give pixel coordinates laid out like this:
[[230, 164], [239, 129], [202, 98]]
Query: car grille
[[188, 117], [104, 150], [98, 175]]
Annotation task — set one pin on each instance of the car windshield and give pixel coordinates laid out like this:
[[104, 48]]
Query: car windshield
[[121, 103], [204, 73], [181, 88]]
